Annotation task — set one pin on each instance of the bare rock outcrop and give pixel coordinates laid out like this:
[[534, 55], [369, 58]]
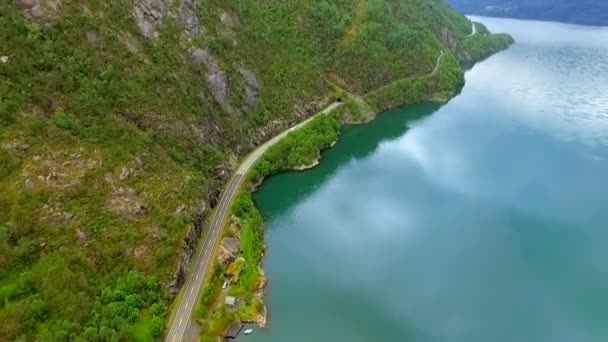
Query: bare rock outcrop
[[252, 87], [61, 169], [29, 184], [229, 24], [449, 39], [140, 251], [16, 147], [149, 14], [187, 17], [230, 19], [203, 56], [39, 10], [217, 79], [82, 235], [124, 173], [126, 202], [218, 84]]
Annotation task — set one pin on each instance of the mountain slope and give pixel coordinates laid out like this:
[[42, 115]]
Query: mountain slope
[[586, 12], [122, 120]]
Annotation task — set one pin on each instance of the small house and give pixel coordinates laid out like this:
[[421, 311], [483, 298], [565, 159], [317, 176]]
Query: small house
[[230, 301]]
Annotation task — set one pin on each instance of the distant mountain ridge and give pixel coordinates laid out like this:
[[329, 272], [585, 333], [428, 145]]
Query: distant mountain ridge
[[585, 12]]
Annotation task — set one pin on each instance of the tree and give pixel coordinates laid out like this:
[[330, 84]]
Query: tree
[[156, 326]]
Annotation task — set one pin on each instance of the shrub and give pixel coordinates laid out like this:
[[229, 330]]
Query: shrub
[[66, 121]]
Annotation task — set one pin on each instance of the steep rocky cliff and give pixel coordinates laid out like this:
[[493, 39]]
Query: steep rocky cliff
[[121, 121]]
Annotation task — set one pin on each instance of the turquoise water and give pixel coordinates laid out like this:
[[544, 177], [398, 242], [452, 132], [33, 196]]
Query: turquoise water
[[481, 220]]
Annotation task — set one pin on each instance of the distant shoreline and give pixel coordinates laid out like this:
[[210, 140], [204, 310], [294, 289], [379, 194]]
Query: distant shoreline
[[473, 16]]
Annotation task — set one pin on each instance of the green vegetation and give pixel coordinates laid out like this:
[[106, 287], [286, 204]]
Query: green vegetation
[[299, 148], [113, 144], [483, 44], [444, 83], [122, 305], [355, 110]]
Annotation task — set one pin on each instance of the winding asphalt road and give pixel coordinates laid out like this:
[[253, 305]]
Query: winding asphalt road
[[204, 257]]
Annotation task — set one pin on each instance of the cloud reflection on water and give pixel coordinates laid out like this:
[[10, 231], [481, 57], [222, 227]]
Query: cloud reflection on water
[[476, 225]]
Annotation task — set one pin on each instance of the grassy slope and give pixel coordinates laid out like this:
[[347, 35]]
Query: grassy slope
[[87, 249]]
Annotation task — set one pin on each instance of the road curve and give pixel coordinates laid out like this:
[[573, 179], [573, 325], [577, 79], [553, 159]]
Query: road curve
[[204, 257], [430, 74]]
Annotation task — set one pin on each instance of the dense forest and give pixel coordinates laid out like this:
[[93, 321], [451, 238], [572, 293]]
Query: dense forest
[[586, 12], [121, 120]]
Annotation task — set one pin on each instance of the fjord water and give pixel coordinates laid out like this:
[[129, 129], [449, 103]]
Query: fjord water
[[485, 219]]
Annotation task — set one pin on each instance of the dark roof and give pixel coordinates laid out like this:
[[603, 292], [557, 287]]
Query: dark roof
[[234, 330]]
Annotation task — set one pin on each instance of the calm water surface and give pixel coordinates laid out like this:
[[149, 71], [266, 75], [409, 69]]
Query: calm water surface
[[482, 220]]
